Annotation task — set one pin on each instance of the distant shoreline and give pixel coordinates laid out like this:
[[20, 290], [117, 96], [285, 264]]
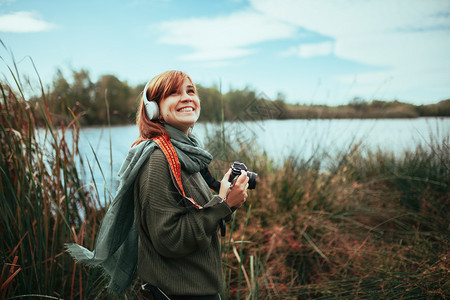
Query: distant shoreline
[[92, 105]]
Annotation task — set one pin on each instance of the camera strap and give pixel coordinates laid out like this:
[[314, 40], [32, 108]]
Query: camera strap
[[167, 148]]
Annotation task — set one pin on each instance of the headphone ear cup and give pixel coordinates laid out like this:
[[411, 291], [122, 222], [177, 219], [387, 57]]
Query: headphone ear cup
[[152, 109]]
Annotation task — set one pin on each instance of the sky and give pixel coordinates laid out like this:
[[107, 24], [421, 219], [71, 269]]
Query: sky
[[305, 51]]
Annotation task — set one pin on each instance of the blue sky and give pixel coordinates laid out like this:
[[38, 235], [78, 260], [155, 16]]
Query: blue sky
[[312, 51]]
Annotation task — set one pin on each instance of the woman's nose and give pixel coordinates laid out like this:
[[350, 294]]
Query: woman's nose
[[186, 97]]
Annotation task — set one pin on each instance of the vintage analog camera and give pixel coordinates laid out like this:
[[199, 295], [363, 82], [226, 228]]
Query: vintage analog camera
[[236, 169]]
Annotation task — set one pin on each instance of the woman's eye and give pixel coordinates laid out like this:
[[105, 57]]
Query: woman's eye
[[191, 91], [174, 92]]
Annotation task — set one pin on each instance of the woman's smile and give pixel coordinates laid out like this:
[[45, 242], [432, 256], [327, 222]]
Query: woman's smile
[[186, 109]]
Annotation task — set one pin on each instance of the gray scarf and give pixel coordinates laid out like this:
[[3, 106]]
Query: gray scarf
[[116, 246]]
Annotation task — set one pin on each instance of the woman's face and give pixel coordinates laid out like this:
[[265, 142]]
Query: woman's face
[[181, 108]]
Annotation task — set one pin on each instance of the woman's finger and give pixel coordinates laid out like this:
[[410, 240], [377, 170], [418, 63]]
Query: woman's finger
[[227, 175], [243, 178]]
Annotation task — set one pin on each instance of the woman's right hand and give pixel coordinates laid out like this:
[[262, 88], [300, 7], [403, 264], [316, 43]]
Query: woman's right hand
[[238, 193]]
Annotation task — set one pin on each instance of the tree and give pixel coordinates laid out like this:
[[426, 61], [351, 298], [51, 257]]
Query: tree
[[60, 93], [82, 92], [236, 101], [120, 100], [210, 100]]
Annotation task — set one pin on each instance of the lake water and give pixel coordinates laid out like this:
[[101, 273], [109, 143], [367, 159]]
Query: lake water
[[280, 138]]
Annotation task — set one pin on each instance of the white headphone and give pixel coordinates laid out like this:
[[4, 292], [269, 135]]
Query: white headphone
[[151, 107]]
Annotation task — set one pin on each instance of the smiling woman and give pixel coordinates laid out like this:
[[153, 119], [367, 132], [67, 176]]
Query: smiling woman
[[173, 99], [169, 232]]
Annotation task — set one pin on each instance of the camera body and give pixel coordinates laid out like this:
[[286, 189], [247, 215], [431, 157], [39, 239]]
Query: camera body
[[236, 169]]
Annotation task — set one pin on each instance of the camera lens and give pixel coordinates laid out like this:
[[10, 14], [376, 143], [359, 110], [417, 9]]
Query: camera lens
[[252, 177], [236, 169]]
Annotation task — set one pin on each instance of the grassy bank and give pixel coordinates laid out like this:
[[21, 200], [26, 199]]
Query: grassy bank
[[373, 225]]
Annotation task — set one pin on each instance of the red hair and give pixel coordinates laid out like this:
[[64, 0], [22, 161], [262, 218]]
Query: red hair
[[160, 87]]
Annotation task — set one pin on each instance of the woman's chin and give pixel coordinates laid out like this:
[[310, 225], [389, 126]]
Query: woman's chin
[[189, 119], [183, 126]]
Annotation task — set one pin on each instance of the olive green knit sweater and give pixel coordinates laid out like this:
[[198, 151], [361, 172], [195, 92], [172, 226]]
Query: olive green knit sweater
[[179, 249]]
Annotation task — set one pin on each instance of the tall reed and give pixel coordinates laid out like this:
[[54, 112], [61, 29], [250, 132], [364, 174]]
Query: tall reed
[[44, 203]]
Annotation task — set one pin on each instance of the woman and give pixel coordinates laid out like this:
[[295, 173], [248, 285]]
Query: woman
[[179, 251], [164, 219]]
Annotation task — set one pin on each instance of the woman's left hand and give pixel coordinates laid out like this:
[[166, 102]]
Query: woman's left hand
[[238, 193]]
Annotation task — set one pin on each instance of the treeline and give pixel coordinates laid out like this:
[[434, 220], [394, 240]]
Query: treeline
[[361, 109], [112, 101], [92, 103]]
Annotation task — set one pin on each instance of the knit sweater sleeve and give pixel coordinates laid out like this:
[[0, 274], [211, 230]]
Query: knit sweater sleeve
[[174, 229]]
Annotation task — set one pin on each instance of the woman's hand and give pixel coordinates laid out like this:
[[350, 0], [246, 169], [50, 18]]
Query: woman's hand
[[238, 193]]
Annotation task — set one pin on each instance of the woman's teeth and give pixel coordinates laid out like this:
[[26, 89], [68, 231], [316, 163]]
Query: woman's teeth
[[186, 109]]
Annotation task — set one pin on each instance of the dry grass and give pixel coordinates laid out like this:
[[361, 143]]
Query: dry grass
[[373, 225], [44, 204]]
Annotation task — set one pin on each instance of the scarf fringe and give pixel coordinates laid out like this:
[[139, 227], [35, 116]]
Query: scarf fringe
[[81, 254]]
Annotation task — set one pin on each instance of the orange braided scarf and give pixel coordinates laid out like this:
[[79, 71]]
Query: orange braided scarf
[[167, 148]]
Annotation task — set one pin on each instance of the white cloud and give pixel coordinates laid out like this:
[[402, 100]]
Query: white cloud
[[310, 50], [410, 39], [224, 37], [2, 2], [211, 54], [24, 21], [6, 2], [367, 31]]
